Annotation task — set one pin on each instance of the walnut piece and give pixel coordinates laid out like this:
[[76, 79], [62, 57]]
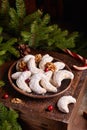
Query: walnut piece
[[38, 57], [50, 66], [16, 100], [22, 65]]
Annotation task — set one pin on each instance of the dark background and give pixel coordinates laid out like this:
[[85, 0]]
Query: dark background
[[71, 14]]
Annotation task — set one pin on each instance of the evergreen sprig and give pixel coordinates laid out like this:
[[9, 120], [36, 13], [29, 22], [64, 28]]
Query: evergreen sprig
[[14, 19], [2, 83], [81, 45], [4, 17], [8, 119], [7, 48], [46, 36], [4, 6], [34, 29], [20, 6]]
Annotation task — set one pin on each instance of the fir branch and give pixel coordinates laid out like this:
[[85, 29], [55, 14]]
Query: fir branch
[[33, 29], [45, 20], [43, 35], [4, 17], [3, 52], [2, 60], [2, 83], [1, 29], [32, 17], [14, 19], [5, 125], [8, 47], [20, 6], [1, 38], [8, 119], [4, 6]]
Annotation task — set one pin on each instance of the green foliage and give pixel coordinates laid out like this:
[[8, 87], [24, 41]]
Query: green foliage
[[33, 29], [14, 22], [8, 119], [4, 6], [20, 8], [46, 36], [7, 48], [4, 18], [81, 45], [28, 19], [2, 83], [38, 29]]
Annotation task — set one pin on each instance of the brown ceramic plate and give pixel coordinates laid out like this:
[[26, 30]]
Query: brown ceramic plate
[[66, 84]]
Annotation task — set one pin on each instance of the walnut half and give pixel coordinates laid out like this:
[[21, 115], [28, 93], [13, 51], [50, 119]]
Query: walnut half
[[50, 66], [16, 100]]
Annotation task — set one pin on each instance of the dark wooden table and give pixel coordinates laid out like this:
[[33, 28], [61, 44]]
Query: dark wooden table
[[33, 111]]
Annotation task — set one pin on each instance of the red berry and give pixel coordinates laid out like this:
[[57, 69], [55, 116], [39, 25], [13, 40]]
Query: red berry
[[25, 69], [50, 108], [46, 69], [5, 96], [27, 81]]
